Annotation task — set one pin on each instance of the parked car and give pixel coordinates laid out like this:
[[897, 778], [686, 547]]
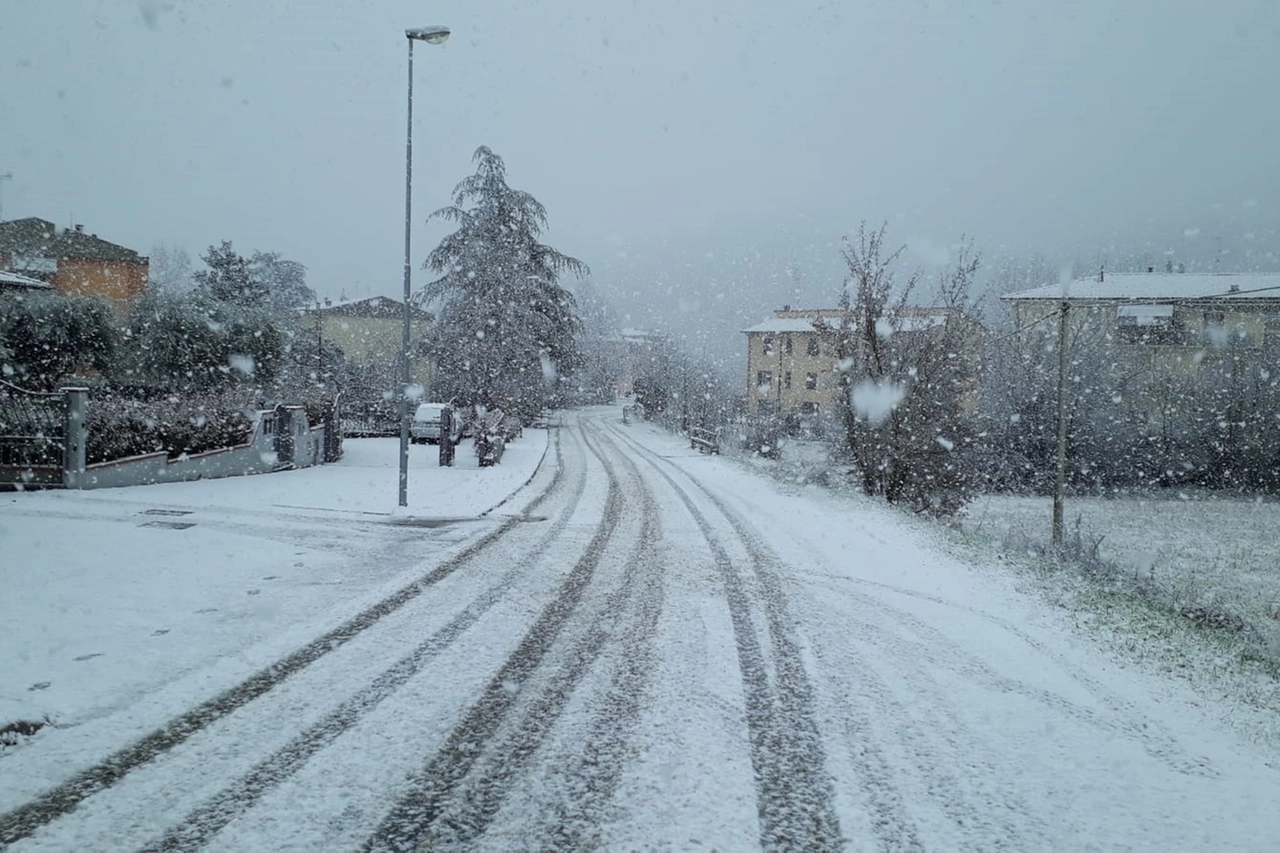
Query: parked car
[[425, 426]]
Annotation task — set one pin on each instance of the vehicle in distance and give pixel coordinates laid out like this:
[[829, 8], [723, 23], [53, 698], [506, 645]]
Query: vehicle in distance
[[425, 426]]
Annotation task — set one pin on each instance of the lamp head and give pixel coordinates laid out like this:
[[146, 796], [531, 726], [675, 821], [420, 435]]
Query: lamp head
[[431, 35]]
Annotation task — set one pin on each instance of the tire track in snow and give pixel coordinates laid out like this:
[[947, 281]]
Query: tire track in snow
[[584, 783], [893, 826], [1016, 820], [53, 804], [794, 795], [983, 807], [200, 825], [442, 806]]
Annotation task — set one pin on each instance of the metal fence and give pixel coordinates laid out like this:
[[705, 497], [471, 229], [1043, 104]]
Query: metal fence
[[33, 427]]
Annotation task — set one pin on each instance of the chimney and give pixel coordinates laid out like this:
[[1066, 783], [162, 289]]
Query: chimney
[[1102, 274], [79, 229], [1168, 266], [786, 307], [1235, 288], [1151, 269]]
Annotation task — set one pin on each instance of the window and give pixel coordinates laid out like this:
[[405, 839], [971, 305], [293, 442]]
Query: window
[[1215, 329], [809, 409], [786, 345], [1146, 324], [786, 379], [812, 347], [1271, 331], [768, 345], [811, 381], [764, 380]]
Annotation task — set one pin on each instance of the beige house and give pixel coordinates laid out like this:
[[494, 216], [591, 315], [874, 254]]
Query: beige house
[[1169, 314], [1159, 330], [635, 350], [370, 334], [792, 366]]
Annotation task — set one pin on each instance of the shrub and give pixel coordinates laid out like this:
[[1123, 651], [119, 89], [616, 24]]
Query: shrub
[[120, 428]]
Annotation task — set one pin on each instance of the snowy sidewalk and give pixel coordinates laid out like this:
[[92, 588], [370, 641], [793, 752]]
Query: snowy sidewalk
[[114, 594]]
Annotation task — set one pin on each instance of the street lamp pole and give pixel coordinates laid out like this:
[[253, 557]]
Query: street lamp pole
[[5, 176], [431, 35]]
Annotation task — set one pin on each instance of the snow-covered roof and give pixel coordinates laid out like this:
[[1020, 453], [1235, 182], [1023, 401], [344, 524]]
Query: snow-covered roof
[[40, 238], [1139, 286], [12, 279], [783, 324], [370, 306]]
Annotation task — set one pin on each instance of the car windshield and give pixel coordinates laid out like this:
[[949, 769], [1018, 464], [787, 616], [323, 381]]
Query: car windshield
[[659, 425]]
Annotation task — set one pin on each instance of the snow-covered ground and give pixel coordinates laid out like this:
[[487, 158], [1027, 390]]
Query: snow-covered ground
[[1199, 552], [1159, 566], [111, 595], [1206, 551], [661, 650]]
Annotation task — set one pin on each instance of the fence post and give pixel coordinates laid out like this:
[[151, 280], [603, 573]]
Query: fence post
[[284, 437], [332, 433], [446, 437], [75, 437]]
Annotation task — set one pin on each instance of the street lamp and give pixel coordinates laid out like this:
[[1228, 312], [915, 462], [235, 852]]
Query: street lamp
[[6, 176], [431, 35]]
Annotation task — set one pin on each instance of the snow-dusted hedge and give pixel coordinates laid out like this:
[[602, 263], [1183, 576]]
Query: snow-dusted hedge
[[121, 428]]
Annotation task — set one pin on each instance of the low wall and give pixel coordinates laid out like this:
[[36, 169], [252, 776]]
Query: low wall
[[257, 456], [281, 438], [30, 476]]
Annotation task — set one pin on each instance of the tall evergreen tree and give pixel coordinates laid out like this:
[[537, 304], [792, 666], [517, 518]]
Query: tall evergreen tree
[[505, 333], [230, 277]]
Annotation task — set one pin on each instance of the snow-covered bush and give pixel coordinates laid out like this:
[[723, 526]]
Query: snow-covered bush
[[120, 428], [193, 344], [45, 336]]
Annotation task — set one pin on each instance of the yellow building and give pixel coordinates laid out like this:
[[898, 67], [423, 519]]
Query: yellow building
[[1172, 314], [370, 334], [791, 366], [1159, 330]]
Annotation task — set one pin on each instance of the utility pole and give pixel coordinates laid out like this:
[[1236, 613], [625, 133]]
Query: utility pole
[[1059, 481], [778, 411], [6, 176], [319, 344]]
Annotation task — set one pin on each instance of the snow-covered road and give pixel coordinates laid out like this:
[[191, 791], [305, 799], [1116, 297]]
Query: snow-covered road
[[659, 650]]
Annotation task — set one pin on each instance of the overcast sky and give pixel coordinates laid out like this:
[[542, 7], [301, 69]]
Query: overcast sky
[[695, 154]]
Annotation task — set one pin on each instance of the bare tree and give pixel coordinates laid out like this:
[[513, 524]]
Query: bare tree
[[868, 290], [909, 377]]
